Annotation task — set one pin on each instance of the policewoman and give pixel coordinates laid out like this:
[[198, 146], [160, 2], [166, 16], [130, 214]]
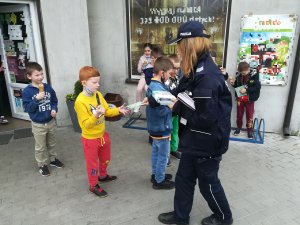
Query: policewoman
[[204, 131]]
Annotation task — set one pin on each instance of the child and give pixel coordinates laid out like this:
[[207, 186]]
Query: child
[[91, 108], [144, 61], [249, 84], [3, 94], [40, 101], [172, 83], [159, 124], [148, 71]]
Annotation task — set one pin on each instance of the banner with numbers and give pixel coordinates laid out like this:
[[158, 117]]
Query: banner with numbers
[[157, 22]]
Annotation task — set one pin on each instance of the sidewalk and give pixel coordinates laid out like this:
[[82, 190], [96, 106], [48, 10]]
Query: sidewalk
[[262, 183]]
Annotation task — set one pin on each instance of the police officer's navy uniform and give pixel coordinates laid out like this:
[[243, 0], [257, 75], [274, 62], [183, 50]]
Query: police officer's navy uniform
[[204, 137]]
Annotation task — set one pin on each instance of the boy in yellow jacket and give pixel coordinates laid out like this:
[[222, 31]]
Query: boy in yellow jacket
[[91, 108]]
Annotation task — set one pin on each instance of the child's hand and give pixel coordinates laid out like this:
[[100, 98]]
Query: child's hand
[[100, 110], [123, 110], [243, 91], [145, 101], [231, 80], [40, 95], [53, 113], [145, 63], [171, 105], [223, 70]]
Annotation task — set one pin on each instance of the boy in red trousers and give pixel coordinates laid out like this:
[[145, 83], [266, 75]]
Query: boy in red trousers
[[91, 109]]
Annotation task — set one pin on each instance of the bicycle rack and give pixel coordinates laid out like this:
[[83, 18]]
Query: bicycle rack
[[258, 129], [258, 133]]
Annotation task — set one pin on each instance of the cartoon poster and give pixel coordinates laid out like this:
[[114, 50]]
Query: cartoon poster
[[157, 22], [266, 44]]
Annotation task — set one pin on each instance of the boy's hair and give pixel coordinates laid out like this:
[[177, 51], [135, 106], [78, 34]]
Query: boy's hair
[[157, 51], [148, 45], [243, 66], [162, 64], [32, 66], [87, 72], [175, 58]]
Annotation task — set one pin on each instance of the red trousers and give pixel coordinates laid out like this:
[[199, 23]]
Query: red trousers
[[97, 157], [241, 105]]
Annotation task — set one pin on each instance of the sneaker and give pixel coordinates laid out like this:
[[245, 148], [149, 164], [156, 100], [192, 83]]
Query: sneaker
[[237, 132], [108, 178], [169, 162], [250, 134], [56, 163], [3, 120], [44, 171], [212, 220], [169, 218], [97, 190], [176, 155], [164, 185], [167, 177]]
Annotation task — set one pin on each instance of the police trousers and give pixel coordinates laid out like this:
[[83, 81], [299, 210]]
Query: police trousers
[[206, 170]]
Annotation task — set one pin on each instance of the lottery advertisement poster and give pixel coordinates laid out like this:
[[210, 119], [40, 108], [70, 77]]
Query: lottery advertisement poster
[[157, 22], [266, 43]]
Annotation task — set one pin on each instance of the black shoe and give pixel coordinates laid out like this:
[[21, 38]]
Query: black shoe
[[57, 164], [44, 171], [169, 218], [176, 155], [237, 132], [164, 185], [169, 162], [212, 220], [250, 134], [108, 178], [97, 190], [167, 177]]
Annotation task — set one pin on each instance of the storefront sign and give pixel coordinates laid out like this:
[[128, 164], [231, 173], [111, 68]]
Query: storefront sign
[[157, 22]]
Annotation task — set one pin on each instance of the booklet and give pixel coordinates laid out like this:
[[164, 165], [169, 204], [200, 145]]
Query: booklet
[[163, 97], [238, 93], [134, 106], [187, 100]]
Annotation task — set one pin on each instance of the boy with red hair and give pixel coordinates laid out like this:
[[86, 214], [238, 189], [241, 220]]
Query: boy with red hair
[[91, 109]]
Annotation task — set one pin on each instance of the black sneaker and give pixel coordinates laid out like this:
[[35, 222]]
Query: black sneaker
[[97, 190], [169, 218], [108, 178], [56, 163], [237, 132], [176, 155], [165, 185], [250, 134], [212, 220], [44, 171], [167, 177]]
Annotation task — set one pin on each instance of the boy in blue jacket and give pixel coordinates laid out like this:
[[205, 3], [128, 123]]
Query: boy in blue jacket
[[40, 102], [159, 124]]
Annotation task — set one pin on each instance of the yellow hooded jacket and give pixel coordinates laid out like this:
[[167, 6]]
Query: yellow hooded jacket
[[92, 128]]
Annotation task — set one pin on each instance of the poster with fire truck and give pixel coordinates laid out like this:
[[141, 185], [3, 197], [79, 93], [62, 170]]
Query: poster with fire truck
[[266, 43]]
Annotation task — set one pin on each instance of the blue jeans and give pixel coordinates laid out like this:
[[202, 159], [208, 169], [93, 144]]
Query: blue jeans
[[160, 156]]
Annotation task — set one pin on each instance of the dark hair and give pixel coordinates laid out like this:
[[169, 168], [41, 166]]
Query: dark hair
[[148, 45], [175, 58], [157, 52], [162, 64], [32, 66], [243, 66]]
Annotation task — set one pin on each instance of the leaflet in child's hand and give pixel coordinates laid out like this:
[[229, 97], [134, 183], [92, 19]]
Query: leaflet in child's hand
[[163, 97], [238, 89], [187, 100]]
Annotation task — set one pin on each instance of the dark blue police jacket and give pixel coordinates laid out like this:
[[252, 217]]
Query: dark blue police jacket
[[205, 132]]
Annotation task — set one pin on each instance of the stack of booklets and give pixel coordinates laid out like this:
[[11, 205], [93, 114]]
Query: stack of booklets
[[187, 100], [163, 97]]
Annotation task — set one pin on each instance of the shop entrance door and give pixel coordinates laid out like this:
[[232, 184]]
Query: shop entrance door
[[18, 45]]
